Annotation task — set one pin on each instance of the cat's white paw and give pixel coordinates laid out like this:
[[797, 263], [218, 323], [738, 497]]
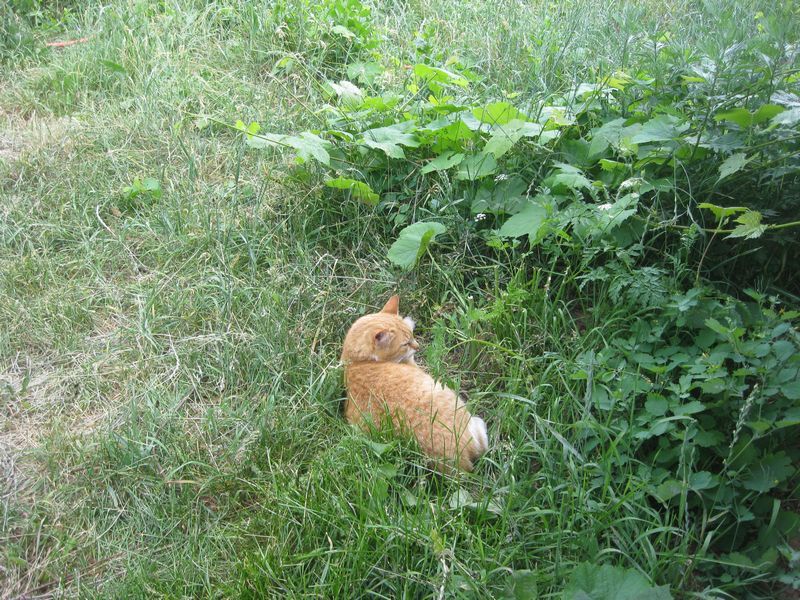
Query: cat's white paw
[[477, 429]]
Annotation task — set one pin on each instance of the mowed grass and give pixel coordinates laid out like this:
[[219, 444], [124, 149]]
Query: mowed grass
[[171, 420]]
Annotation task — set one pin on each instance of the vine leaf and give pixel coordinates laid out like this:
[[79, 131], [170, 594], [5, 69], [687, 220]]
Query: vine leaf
[[732, 164], [749, 227]]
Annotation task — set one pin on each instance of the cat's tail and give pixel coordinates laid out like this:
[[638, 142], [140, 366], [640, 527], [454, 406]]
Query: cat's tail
[[477, 429]]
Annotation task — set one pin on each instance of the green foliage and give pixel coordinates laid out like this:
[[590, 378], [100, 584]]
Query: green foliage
[[698, 392], [593, 582], [413, 242], [705, 392], [601, 255]]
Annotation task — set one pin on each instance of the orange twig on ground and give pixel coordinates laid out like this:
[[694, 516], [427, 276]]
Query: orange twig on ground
[[66, 43]]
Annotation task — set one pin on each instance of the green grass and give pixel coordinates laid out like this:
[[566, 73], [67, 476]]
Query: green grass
[[170, 391]]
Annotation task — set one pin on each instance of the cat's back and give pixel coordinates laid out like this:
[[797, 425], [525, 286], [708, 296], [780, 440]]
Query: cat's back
[[388, 379]]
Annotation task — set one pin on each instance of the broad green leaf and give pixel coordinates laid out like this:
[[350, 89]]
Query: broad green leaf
[[690, 408], [521, 585], [343, 31], [740, 116], [791, 390], [767, 112], [359, 190], [460, 498], [768, 473], [668, 489], [722, 212], [435, 75], [732, 164], [566, 176], [442, 162], [788, 118], [307, 145], [413, 242], [702, 480], [310, 146], [791, 417], [660, 129], [608, 134], [716, 326], [606, 582], [656, 405], [349, 94], [744, 118], [377, 447], [111, 65], [749, 227], [476, 166], [528, 222], [389, 139], [388, 470], [365, 72], [498, 113], [505, 136]]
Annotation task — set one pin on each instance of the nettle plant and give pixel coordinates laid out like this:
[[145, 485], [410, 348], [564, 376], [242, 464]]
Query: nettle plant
[[610, 161], [706, 394]]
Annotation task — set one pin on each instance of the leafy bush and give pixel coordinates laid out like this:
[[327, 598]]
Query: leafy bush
[[641, 182]]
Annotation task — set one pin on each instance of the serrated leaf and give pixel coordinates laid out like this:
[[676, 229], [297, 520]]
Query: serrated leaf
[[592, 582], [732, 164], [412, 243], [477, 166], [391, 138], [791, 417], [749, 227], [443, 162], [716, 326], [788, 118], [358, 189], [308, 146], [660, 129]]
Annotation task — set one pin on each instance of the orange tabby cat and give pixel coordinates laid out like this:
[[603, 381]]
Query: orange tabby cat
[[382, 378]]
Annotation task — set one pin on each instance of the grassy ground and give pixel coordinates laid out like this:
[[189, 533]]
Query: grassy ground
[[170, 419]]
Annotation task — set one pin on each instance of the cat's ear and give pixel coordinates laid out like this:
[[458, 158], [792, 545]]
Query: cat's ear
[[392, 306], [382, 338]]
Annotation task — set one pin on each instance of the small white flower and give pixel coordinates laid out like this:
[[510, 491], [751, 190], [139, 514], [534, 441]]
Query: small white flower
[[501, 177], [480, 217], [605, 206]]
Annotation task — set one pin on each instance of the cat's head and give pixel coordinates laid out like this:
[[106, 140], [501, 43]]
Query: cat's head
[[381, 337]]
